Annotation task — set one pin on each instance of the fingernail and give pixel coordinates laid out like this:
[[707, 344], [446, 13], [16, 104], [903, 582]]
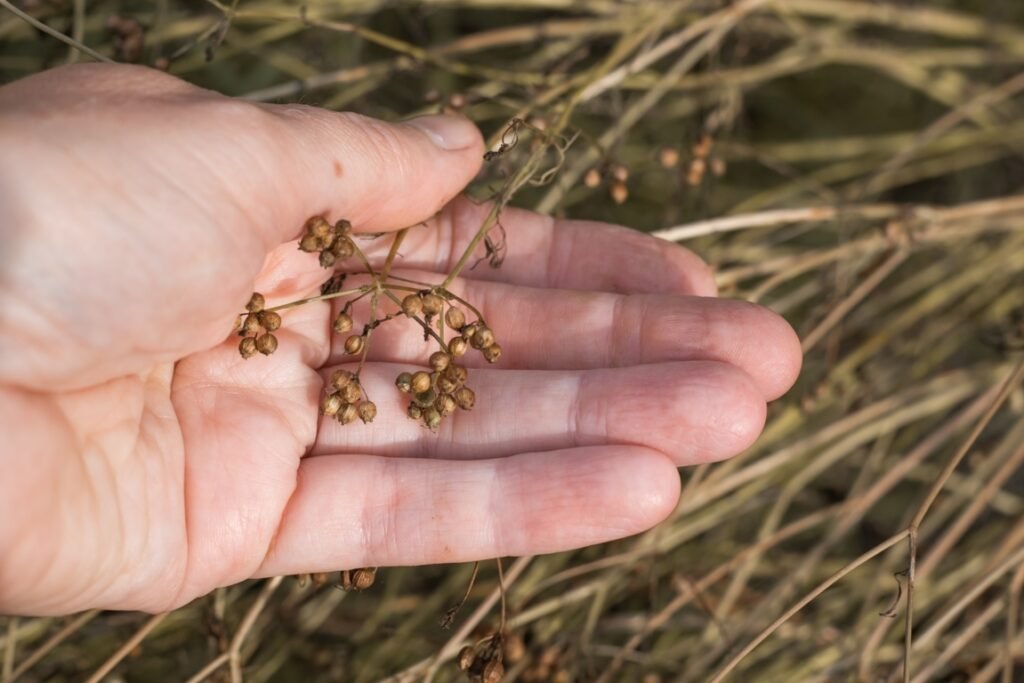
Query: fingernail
[[450, 133]]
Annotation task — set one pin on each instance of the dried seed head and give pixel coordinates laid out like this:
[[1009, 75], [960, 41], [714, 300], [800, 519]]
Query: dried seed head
[[457, 347], [354, 344], [347, 414], [432, 304], [465, 398], [592, 179], [439, 360], [251, 325], [455, 318], [425, 398], [415, 412], [445, 405], [342, 227], [446, 384], [256, 303], [619, 192], [482, 338], [271, 320], [266, 344], [412, 305], [404, 382], [367, 411], [341, 379], [327, 259], [363, 578], [668, 157], [343, 323], [247, 347], [420, 381], [492, 353], [352, 393], [466, 657], [493, 671], [431, 418], [343, 248], [310, 243], [330, 405]]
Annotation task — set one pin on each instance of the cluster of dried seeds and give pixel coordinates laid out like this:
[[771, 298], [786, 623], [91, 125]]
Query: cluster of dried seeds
[[345, 400], [257, 328], [483, 662], [349, 580], [332, 242]]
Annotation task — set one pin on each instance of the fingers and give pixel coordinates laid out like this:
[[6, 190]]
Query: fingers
[[692, 412], [559, 329], [357, 510]]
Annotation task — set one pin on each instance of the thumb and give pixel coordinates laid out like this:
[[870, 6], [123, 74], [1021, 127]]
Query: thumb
[[380, 176]]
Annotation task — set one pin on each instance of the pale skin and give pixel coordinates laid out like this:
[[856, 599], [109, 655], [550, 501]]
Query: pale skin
[[145, 463]]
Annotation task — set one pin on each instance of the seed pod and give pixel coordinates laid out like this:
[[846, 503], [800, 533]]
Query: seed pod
[[412, 305], [318, 226], [469, 330], [458, 374], [482, 338], [466, 658], [420, 381], [367, 411], [492, 353], [439, 360], [251, 325], [342, 227], [330, 405], [446, 384], [343, 323], [271, 320], [310, 243], [493, 671], [465, 398], [414, 411], [668, 157], [455, 318], [432, 304], [343, 248], [445, 405], [431, 418], [354, 344], [256, 303], [592, 178], [352, 393], [347, 414], [457, 347], [404, 382], [327, 259], [341, 379], [363, 578], [425, 398], [247, 347], [266, 344], [619, 192]]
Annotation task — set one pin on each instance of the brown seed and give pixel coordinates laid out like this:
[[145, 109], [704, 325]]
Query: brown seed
[[347, 414], [266, 344], [455, 318], [482, 338], [354, 344], [446, 384], [343, 248], [458, 374], [465, 398], [469, 330], [342, 227], [492, 353], [319, 578], [425, 398], [310, 244], [466, 657], [352, 393], [702, 147], [318, 226], [696, 173], [592, 179], [420, 381], [330, 405], [247, 347], [431, 417], [251, 325], [404, 382], [343, 323], [327, 259], [445, 405], [256, 303], [457, 347], [415, 412], [668, 157], [412, 305], [619, 192], [270, 320], [432, 304], [367, 411], [439, 360], [363, 578], [493, 671], [341, 379], [620, 173]]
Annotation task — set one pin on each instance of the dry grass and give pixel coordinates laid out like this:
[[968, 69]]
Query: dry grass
[[869, 159]]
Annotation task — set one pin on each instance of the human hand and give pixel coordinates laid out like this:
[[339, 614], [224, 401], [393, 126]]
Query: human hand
[[145, 463]]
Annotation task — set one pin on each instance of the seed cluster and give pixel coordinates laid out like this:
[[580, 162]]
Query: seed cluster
[[349, 580], [257, 328], [345, 400], [332, 242], [483, 662]]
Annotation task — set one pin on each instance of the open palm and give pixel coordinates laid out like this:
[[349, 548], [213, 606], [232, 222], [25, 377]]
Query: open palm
[[146, 463]]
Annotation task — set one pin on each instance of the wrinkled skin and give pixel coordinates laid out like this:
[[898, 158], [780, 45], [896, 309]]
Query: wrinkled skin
[[145, 463]]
